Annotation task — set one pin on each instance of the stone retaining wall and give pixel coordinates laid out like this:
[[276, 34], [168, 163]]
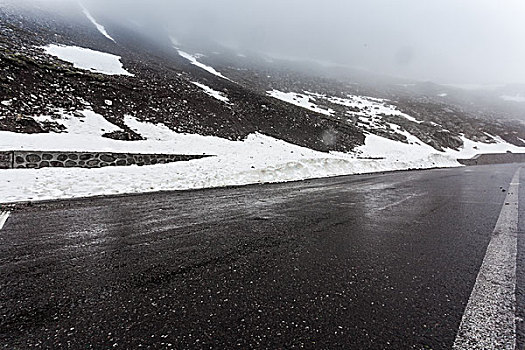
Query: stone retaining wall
[[36, 160], [494, 158], [6, 160]]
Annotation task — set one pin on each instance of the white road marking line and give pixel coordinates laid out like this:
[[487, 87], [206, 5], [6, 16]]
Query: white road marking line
[[489, 321], [3, 218]]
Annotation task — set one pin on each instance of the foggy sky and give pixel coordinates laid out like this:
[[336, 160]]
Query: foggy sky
[[445, 41]]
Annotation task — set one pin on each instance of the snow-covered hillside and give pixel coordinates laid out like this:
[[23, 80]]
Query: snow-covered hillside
[[72, 87], [257, 159]]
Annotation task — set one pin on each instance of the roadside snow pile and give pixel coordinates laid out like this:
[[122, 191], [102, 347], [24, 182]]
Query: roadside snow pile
[[99, 27], [94, 61], [258, 159], [193, 60], [213, 93], [300, 100]]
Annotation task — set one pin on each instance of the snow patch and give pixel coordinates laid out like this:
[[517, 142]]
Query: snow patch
[[213, 93], [369, 109], [301, 100], [83, 58], [370, 106], [194, 60], [83, 133], [4, 215], [99, 26]]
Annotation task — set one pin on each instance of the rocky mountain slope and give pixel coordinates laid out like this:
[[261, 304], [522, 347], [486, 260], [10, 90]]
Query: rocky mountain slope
[[170, 83]]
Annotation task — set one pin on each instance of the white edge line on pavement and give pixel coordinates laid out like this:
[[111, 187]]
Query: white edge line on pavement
[[3, 218], [489, 321]]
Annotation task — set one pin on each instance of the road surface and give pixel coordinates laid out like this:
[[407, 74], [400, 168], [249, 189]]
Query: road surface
[[386, 261]]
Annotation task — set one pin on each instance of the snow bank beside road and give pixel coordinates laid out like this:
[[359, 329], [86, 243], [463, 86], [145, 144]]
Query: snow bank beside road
[[94, 61], [54, 183], [258, 159]]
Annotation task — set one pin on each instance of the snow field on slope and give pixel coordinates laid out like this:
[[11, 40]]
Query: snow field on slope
[[258, 159], [370, 107], [213, 93], [83, 58], [300, 100], [99, 26], [194, 60]]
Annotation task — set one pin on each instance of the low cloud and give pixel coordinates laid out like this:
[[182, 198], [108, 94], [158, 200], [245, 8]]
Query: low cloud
[[447, 41]]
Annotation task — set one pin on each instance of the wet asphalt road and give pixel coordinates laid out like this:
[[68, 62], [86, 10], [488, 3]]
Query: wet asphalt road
[[359, 262]]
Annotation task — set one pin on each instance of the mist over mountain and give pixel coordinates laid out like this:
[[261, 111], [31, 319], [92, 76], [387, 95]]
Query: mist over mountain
[[452, 42]]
